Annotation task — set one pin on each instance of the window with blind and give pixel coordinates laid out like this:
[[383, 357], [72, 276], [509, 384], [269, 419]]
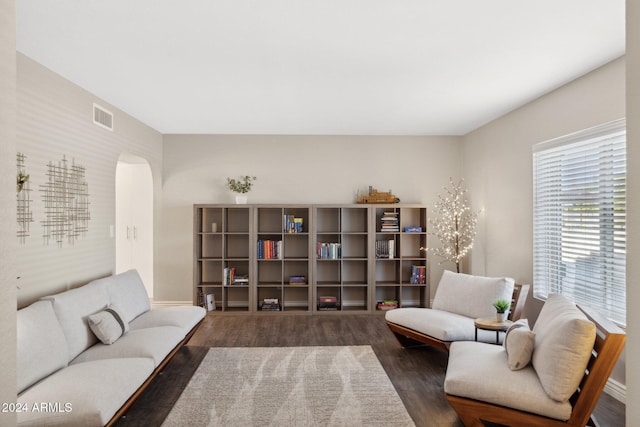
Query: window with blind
[[579, 231]]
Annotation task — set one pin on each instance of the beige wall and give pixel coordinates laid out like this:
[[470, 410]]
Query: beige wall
[[633, 213], [8, 239], [290, 169], [54, 120], [497, 164]]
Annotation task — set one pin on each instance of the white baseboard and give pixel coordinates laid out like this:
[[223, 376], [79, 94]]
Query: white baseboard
[[616, 390], [160, 304]]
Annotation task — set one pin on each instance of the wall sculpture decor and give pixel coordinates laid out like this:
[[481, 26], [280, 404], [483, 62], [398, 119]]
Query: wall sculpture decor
[[24, 214], [66, 202]]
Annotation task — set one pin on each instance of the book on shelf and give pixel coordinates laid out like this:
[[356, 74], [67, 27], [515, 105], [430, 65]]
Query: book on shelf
[[270, 249], [270, 304], [418, 275], [385, 249], [293, 224], [413, 229], [240, 280], [228, 275], [328, 250], [327, 303], [387, 304], [297, 280]]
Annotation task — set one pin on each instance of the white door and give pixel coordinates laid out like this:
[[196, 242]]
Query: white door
[[134, 219]]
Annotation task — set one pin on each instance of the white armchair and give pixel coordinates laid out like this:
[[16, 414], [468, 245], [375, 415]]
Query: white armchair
[[459, 300]]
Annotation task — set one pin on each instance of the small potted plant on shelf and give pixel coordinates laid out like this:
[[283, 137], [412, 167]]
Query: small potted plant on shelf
[[502, 307], [241, 186]]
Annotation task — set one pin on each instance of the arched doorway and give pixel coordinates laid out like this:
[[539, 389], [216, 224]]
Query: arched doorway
[[134, 218]]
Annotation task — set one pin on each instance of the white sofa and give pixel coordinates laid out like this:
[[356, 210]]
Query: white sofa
[[459, 300], [67, 377]]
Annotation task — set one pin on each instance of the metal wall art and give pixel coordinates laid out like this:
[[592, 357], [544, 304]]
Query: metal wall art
[[23, 205], [66, 203]]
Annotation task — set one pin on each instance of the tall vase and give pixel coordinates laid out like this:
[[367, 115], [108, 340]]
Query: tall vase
[[241, 199]]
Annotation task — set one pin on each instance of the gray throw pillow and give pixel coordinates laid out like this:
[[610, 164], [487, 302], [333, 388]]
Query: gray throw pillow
[[519, 343], [108, 325]]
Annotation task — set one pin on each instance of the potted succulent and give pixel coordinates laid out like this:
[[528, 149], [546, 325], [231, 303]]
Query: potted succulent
[[502, 307], [241, 186]]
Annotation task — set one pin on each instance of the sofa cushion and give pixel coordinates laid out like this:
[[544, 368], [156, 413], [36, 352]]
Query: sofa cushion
[[480, 371], [41, 345], [184, 317], [471, 296], [72, 309], [108, 325], [153, 343], [518, 343], [439, 324], [127, 292], [563, 343], [88, 394]]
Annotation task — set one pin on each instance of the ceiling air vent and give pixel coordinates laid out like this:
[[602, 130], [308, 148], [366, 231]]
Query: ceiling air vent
[[102, 117]]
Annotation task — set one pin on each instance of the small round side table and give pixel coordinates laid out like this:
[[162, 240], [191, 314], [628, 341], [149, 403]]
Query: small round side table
[[491, 324]]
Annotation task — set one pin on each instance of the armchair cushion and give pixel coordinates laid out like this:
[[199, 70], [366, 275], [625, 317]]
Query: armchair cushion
[[480, 371], [471, 296], [562, 333]]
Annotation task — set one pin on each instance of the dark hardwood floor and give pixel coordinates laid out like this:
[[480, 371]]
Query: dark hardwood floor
[[417, 373]]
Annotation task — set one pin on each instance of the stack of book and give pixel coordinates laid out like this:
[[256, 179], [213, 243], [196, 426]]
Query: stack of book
[[388, 304], [418, 275], [270, 304], [297, 280], [293, 224], [240, 280], [385, 249], [270, 249], [328, 250], [389, 222], [327, 303]]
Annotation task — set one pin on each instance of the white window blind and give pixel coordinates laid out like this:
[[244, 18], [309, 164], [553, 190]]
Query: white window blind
[[579, 218]]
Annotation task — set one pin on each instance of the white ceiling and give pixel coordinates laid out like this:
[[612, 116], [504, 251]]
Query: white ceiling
[[367, 67]]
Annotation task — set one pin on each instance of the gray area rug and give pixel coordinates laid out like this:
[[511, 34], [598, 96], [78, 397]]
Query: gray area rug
[[290, 386]]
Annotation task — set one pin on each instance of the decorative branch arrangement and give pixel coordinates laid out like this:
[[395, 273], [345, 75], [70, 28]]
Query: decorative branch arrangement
[[23, 206], [66, 202], [242, 185], [454, 225]]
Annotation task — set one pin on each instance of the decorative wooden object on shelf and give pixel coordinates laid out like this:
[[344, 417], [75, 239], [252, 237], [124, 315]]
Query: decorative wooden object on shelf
[[377, 197]]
